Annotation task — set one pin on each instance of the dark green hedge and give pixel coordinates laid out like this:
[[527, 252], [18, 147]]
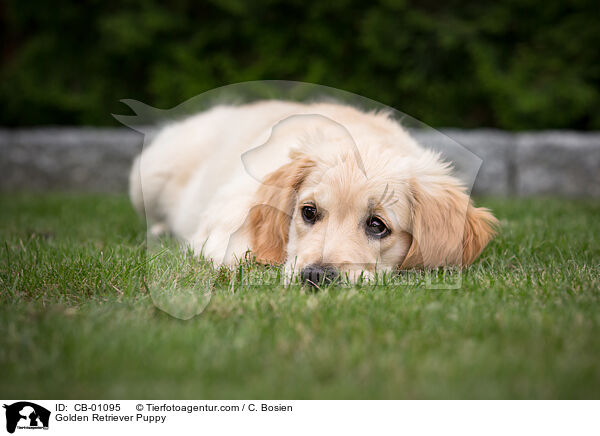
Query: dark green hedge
[[514, 64]]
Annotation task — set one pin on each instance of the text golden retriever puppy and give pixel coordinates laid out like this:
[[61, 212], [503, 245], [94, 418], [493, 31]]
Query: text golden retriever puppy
[[321, 188]]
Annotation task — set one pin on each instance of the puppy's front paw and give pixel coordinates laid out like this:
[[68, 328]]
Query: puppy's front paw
[[158, 229]]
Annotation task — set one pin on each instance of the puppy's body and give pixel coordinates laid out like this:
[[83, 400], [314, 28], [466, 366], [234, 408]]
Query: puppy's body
[[350, 165]]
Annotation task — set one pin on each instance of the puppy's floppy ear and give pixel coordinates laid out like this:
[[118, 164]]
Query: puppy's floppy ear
[[270, 217], [446, 228]]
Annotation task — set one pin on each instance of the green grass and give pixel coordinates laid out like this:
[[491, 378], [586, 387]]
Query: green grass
[[77, 319]]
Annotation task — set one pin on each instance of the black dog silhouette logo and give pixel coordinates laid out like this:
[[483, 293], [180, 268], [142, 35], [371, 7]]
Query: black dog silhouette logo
[[26, 415]]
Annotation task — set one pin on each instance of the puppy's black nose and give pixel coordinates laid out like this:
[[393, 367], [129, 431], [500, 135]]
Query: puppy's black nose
[[319, 274]]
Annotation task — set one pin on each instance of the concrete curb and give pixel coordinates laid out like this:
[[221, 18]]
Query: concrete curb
[[88, 159], [71, 159]]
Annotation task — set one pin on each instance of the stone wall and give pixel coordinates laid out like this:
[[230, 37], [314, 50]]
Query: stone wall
[[98, 159]]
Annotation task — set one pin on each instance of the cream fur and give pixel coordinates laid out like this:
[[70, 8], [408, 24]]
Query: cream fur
[[350, 164]]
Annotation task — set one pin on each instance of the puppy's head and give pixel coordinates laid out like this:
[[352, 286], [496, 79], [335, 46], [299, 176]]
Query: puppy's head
[[329, 214]]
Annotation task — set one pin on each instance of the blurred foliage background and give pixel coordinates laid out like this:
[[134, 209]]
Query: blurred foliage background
[[513, 64]]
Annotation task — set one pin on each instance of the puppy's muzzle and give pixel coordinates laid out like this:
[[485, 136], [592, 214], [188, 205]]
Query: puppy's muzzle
[[318, 274]]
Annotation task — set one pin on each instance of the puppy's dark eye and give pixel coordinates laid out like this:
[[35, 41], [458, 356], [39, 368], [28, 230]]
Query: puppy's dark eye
[[309, 213], [376, 228]]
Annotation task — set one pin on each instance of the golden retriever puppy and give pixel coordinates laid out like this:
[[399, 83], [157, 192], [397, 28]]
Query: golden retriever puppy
[[320, 188]]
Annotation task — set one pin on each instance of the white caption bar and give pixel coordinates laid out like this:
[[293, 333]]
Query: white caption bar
[[22, 417]]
